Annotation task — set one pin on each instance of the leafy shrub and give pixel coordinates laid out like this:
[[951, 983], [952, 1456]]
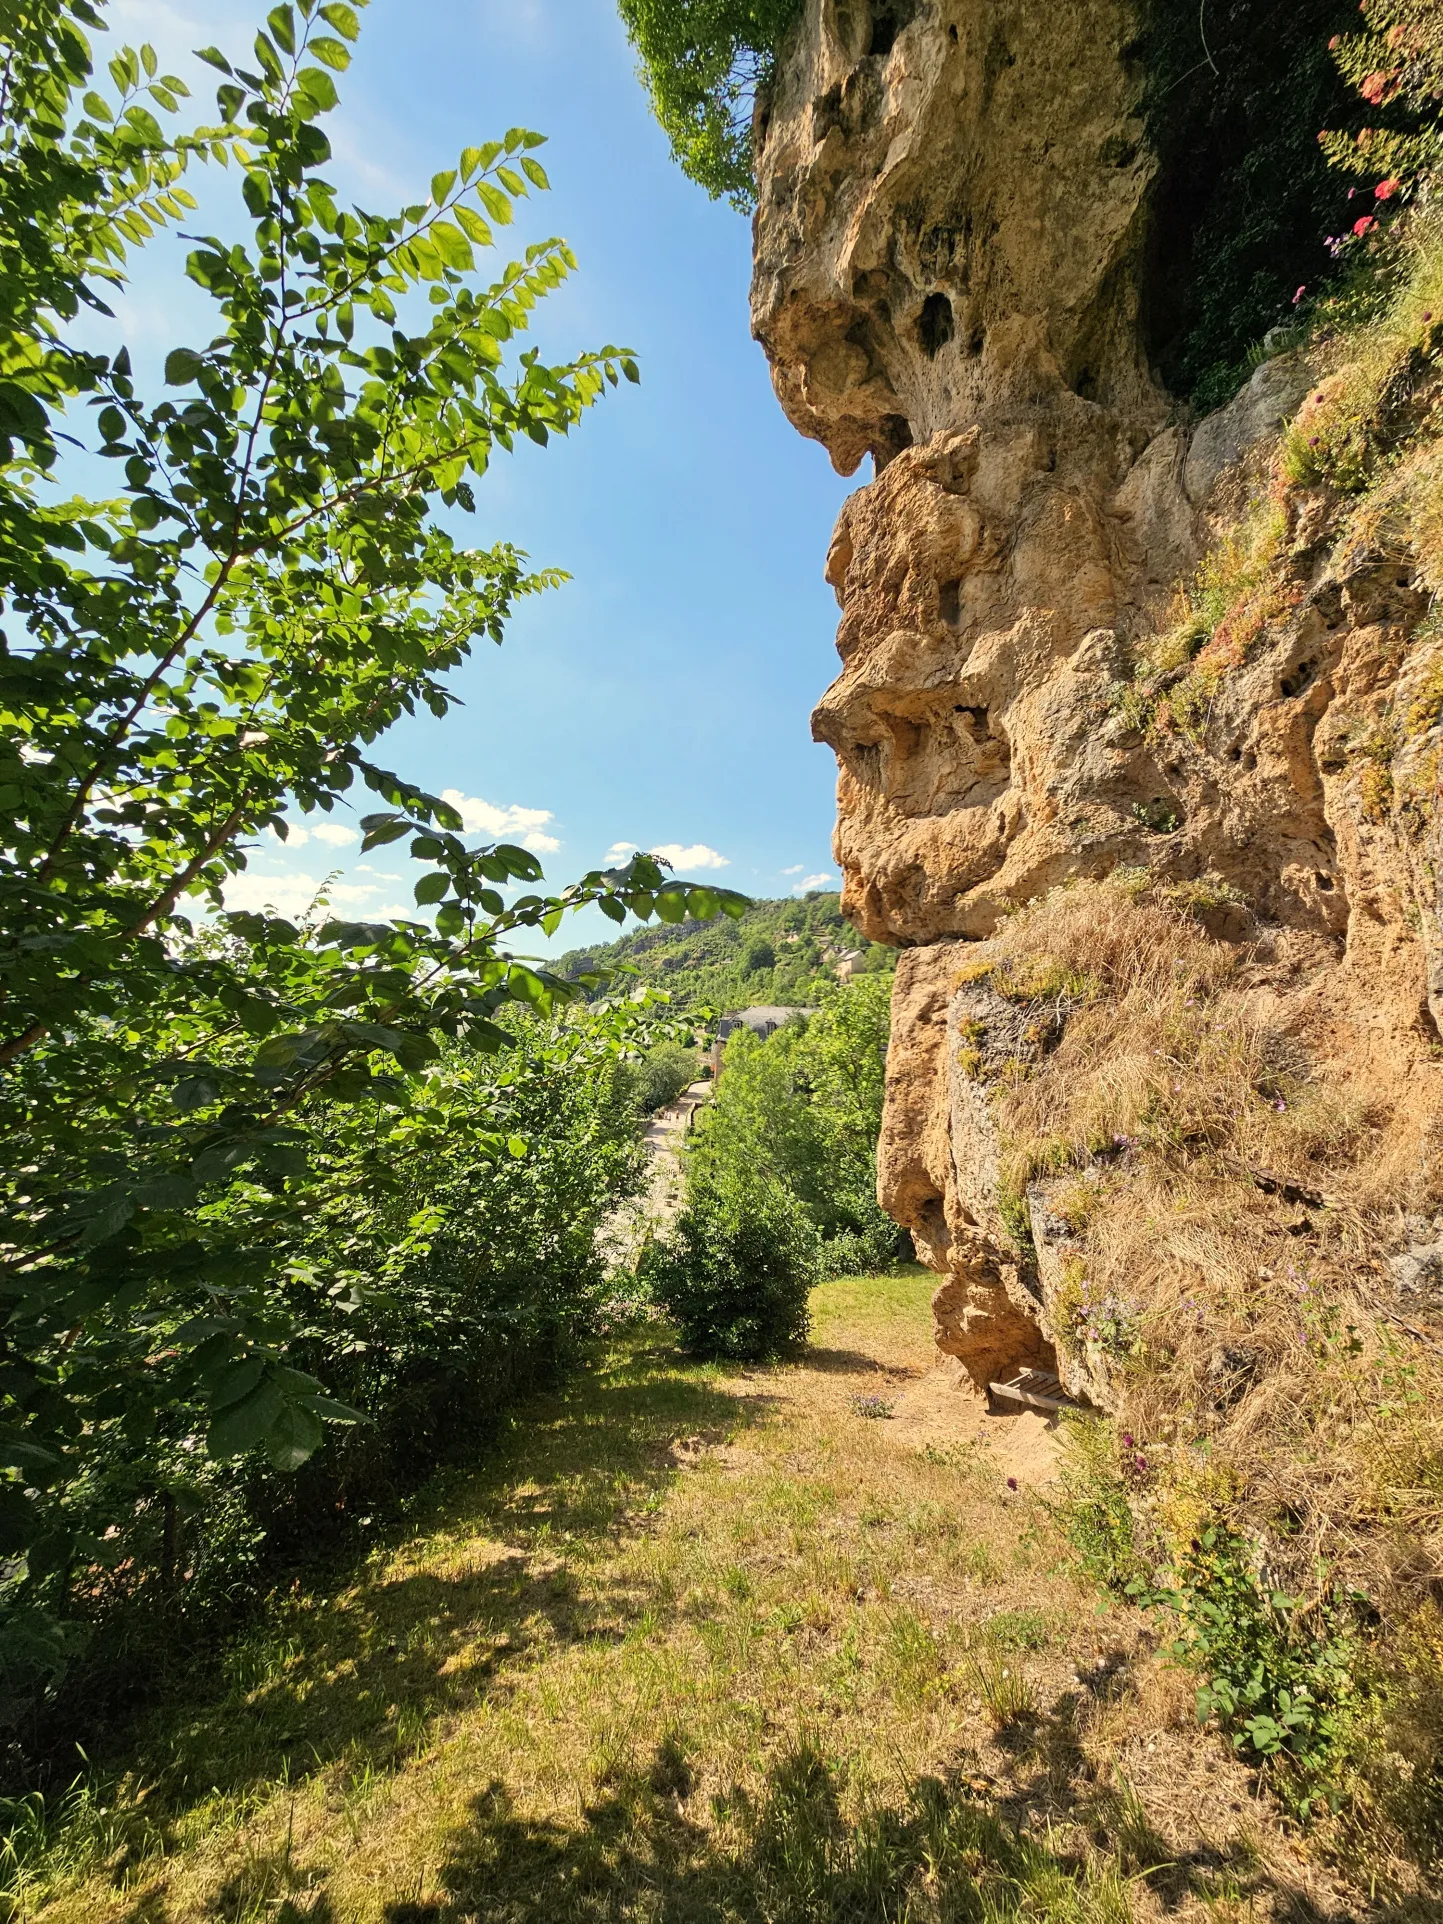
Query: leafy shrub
[[737, 1268], [659, 1076], [1236, 93], [758, 954], [424, 1305], [703, 61], [217, 1242], [1396, 63], [1279, 1674]]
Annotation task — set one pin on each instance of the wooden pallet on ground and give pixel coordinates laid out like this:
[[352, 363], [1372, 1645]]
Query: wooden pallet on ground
[[1036, 1390]]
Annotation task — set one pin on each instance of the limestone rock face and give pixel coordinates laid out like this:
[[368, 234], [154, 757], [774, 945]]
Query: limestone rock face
[[950, 256], [951, 217]]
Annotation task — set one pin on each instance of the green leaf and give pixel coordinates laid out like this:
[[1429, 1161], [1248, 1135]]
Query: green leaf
[[331, 53], [238, 1381], [98, 109], [534, 172], [386, 831], [441, 185], [213, 57], [318, 87], [182, 365], [244, 1424], [473, 225], [431, 888], [295, 1434], [454, 248], [282, 23], [268, 59], [495, 203], [342, 18]]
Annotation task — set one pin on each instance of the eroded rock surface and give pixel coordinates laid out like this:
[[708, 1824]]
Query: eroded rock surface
[[951, 246]]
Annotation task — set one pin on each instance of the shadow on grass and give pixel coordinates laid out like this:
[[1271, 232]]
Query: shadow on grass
[[362, 1677], [791, 1855], [848, 1362]]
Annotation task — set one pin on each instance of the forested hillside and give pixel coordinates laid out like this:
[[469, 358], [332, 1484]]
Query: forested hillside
[[782, 952]]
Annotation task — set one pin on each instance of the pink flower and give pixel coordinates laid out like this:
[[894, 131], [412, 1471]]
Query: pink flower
[[1300, 293], [1386, 189], [1362, 225]]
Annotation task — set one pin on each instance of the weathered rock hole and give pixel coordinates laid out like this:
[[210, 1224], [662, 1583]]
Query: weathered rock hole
[[1295, 683], [949, 602], [934, 325], [1324, 882], [952, 35], [896, 434], [976, 722], [884, 32], [1085, 386]]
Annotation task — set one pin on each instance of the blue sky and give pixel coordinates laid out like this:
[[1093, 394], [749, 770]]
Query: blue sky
[[660, 699]]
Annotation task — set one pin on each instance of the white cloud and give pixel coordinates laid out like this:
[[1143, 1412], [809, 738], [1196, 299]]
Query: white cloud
[[697, 855], [336, 833], [795, 869], [292, 895], [619, 851], [812, 882], [506, 824]]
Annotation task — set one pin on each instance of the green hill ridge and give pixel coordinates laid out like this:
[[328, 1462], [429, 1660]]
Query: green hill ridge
[[785, 952]]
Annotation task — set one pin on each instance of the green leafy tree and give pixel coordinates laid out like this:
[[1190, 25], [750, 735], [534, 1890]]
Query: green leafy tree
[[224, 636], [703, 62], [781, 1179], [804, 1108]]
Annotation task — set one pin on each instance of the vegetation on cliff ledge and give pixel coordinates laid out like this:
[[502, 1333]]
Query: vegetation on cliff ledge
[[703, 61]]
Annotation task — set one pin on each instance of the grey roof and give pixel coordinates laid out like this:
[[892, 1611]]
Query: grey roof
[[762, 1018]]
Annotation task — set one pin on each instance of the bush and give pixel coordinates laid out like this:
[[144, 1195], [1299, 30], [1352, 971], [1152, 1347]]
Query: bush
[[1280, 1674], [737, 1268], [1095, 1510], [659, 1076], [425, 1304], [703, 61]]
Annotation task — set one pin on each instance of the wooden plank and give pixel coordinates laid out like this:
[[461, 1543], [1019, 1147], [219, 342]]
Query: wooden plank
[[1035, 1388]]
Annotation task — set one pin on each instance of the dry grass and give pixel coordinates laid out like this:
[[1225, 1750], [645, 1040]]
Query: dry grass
[[1238, 1192], [700, 1645], [1372, 426], [1232, 1191]]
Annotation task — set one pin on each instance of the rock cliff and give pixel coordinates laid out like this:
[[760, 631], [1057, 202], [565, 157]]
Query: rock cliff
[[957, 208]]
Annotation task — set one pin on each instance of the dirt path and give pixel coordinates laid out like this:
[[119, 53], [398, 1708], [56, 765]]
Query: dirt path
[[707, 1644]]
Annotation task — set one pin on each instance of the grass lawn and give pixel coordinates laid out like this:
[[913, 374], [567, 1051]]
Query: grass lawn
[[694, 1643]]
